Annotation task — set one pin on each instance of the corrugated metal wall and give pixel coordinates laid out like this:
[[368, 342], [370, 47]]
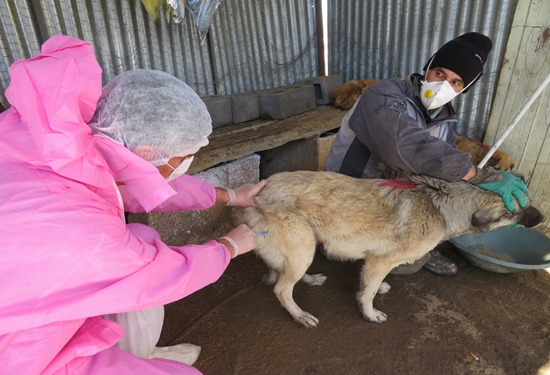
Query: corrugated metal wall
[[393, 38], [263, 44], [251, 45], [527, 64]]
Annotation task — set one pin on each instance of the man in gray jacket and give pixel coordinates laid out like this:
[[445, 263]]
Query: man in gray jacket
[[402, 126]]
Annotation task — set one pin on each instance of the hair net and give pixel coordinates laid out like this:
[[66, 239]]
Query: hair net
[[153, 114]]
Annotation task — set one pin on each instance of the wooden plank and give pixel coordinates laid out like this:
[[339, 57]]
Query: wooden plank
[[232, 142]]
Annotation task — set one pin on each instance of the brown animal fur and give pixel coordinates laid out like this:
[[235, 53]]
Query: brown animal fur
[[385, 222], [345, 96], [499, 160]]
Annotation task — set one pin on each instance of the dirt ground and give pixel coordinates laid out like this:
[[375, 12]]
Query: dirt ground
[[433, 323]]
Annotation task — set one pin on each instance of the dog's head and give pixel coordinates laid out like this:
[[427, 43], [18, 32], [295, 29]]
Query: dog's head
[[467, 208], [496, 215], [501, 161]]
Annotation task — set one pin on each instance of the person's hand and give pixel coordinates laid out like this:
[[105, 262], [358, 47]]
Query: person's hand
[[243, 196], [504, 184], [239, 240]]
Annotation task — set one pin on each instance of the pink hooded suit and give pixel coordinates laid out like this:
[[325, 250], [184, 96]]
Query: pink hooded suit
[[68, 258]]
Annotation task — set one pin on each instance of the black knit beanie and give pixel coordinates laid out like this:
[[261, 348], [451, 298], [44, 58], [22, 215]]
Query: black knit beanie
[[464, 55]]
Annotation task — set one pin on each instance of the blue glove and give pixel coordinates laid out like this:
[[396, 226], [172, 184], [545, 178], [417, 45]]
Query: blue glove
[[504, 184]]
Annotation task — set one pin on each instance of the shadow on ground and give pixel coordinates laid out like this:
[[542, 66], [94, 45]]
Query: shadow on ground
[[433, 323]]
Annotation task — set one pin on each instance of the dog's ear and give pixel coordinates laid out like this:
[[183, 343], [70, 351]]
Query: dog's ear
[[493, 161]]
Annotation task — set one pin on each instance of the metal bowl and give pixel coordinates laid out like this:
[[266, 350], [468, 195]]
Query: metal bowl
[[505, 250]]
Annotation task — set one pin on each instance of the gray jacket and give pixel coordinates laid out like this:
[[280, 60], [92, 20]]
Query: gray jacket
[[388, 133]]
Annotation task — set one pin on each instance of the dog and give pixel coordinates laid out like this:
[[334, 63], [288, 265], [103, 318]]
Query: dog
[[345, 96], [499, 160], [385, 222]]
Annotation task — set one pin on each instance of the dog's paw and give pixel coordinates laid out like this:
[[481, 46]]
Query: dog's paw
[[384, 288], [306, 319], [375, 316], [316, 279]]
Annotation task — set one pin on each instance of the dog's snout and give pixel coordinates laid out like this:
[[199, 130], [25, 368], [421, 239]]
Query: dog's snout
[[531, 217]]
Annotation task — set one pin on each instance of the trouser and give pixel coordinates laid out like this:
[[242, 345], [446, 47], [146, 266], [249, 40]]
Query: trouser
[[142, 330]]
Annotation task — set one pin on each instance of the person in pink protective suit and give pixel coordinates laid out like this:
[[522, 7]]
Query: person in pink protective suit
[[68, 257]]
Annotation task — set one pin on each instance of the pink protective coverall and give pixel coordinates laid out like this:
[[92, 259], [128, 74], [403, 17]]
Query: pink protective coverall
[[68, 258]]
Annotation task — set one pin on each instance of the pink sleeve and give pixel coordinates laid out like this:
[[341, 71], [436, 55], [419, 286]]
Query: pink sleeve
[[192, 194], [83, 260]]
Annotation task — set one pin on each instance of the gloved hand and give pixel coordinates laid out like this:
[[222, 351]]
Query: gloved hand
[[504, 184], [243, 196], [242, 239]]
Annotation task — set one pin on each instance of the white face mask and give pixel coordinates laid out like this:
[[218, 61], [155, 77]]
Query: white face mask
[[435, 94], [180, 169]]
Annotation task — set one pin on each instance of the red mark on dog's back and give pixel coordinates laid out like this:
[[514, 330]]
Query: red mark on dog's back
[[399, 184]]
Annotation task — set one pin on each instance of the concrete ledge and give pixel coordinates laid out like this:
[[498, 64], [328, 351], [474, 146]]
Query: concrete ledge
[[220, 110], [286, 101], [196, 227], [323, 85], [233, 142]]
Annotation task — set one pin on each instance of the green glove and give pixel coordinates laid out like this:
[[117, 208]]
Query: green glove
[[504, 184]]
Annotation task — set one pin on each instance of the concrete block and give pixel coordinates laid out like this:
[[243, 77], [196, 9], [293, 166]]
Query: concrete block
[[323, 86], [245, 107], [300, 155], [219, 107], [286, 101], [197, 227]]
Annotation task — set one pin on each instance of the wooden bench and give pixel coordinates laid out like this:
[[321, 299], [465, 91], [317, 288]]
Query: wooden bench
[[235, 141]]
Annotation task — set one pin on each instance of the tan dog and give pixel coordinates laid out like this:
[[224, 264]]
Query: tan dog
[[477, 150], [345, 96], [385, 222]]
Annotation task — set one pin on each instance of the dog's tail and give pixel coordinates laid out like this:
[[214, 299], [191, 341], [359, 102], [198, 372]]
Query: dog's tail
[[253, 217]]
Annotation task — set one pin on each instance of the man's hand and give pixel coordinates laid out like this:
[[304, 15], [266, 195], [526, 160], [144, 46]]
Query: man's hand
[[504, 184]]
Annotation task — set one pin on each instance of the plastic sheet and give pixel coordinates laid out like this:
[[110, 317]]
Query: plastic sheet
[[203, 11]]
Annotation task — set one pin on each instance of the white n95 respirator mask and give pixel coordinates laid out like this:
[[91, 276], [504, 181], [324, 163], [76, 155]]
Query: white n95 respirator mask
[[180, 169], [435, 94]]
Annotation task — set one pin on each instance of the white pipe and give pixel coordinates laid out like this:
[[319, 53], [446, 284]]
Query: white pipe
[[515, 121]]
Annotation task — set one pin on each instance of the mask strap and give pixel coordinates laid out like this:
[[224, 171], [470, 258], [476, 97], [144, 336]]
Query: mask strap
[[171, 167], [471, 83], [429, 64]]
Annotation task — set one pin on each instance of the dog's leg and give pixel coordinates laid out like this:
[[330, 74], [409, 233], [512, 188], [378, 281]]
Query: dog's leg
[[283, 290], [315, 279], [373, 273]]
